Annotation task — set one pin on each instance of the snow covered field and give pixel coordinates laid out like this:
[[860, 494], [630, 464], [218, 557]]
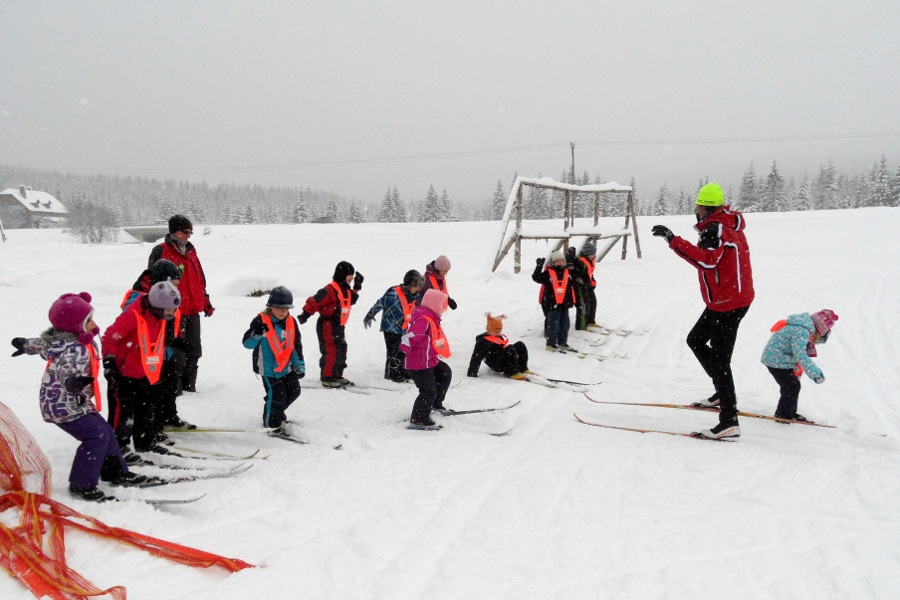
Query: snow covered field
[[556, 509]]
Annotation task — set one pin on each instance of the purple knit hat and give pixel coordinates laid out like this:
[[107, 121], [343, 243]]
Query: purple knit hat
[[824, 320], [71, 313]]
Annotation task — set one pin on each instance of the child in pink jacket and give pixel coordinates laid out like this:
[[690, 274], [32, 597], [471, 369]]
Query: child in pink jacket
[[425, 347]]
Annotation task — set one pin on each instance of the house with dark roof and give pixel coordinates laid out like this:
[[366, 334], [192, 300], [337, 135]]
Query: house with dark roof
[[25, 208]]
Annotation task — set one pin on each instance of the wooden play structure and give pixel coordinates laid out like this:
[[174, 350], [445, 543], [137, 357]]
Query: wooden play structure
[[515, 209]]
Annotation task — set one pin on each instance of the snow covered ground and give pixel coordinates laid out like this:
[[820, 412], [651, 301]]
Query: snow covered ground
[[556, 509]]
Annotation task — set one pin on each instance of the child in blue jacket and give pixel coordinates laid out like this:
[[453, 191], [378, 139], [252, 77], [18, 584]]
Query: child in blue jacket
[[398, 303], [789, 353], [274, 337]]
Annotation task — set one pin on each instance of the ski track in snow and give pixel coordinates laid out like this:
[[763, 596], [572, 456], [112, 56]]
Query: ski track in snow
[[553, 510]]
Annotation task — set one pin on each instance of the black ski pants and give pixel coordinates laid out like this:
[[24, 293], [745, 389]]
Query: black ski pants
[[433, 384], [790, 392], [712, 340]]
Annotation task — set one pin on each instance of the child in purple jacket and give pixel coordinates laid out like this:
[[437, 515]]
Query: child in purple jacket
[[67, 387], [425, 345]]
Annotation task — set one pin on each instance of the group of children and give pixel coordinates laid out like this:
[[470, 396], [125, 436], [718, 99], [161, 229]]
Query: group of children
[[142, 354]]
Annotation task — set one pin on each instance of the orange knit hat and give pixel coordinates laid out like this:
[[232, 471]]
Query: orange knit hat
[[494, 324]]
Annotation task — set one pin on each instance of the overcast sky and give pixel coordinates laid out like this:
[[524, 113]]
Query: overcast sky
[[354, 96]]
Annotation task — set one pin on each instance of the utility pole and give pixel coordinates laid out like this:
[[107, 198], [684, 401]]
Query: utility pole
[[572, 145]]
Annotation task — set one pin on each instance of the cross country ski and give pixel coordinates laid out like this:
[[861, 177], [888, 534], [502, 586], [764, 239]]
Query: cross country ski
[[694, 435]]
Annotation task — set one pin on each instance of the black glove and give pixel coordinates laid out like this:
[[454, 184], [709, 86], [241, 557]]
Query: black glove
[[258, 328], [179, 344], [77, 383], [19, 344], [110, 370], [540, 262], [663, 231], [368, 320], [451, 303], [357, 281], [303, 318]]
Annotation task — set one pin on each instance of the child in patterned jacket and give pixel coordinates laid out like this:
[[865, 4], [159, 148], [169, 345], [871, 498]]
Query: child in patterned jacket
[[68, 384], [789, 353]]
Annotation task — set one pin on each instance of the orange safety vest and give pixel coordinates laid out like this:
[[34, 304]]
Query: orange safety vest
[[404, 304], [281, 350], [501, 340], [95, 373], [435, 284], [346, 302], [798, 368], [438, 339], [151, 352], [590, 270], [559, 287]]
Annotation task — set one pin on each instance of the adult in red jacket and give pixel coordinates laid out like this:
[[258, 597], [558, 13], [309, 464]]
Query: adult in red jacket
[[195, 300], [333, 304], [722, 260]]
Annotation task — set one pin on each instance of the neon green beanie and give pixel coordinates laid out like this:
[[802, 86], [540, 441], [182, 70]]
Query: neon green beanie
[[711, 195]]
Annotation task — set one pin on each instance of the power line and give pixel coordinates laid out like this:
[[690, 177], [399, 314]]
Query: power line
[[470, 153]]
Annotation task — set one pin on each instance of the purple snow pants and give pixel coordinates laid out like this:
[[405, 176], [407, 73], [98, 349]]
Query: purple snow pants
[[98, 450]]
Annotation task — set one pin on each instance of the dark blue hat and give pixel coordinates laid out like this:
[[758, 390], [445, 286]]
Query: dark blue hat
[[280, 297]]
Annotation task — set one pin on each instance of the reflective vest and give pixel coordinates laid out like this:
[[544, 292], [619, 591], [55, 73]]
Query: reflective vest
[[151, 352], [798, 368], [440, 286], [404, 304], [438, 339], [95, 373], [281, 349], [559, 287], [500, 340], [590, 270], [346, 302]]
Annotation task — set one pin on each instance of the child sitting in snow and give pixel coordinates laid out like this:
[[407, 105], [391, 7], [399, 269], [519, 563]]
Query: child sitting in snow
[[274, 337], [494, 349], [68, 384], [397, 303], [425, 347], [788, 354]]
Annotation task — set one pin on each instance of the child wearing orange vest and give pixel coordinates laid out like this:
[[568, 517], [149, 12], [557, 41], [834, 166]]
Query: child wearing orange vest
[[134, 348], [70, 395], [425, 347], [556, 297], [493, 348], [585, 286], [274, 337], [333, 303], [398, 303]]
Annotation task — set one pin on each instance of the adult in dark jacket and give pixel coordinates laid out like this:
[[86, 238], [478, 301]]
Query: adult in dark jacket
[[557, 296], [333, 304], [722, 260], [493, 348], [195, 300]]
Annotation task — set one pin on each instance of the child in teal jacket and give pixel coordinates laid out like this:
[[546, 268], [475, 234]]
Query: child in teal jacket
[[789, 353]]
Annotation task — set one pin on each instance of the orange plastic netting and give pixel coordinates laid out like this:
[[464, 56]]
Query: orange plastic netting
[[42, 522]]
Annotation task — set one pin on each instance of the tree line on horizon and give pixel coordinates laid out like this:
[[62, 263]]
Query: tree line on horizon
[[114, 201]]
